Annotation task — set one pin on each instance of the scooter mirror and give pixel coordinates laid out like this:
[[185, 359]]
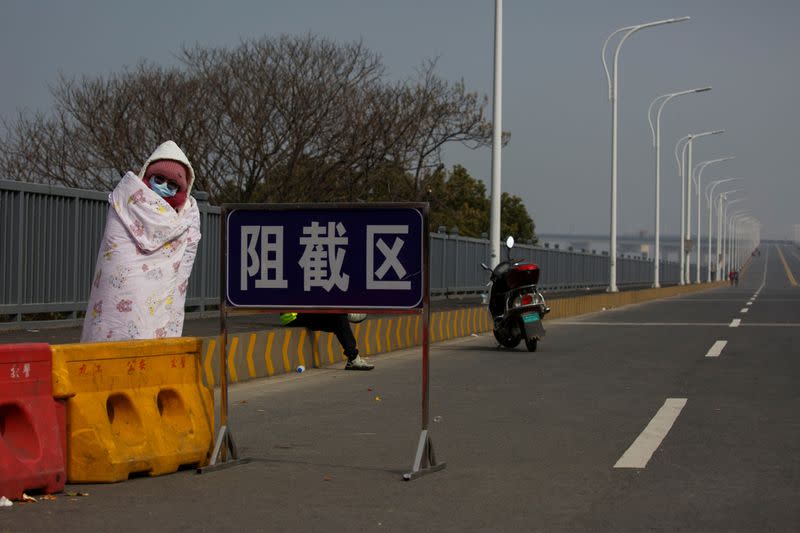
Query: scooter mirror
[[510, 242]]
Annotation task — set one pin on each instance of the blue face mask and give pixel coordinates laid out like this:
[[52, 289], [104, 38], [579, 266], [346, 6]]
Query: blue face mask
[[163, 187]]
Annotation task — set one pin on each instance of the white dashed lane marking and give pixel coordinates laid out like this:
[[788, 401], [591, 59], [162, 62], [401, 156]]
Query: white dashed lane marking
[[648, 441], [716, 349]]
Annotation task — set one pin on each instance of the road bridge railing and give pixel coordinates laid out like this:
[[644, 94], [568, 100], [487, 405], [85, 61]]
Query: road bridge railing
[[49, 237]]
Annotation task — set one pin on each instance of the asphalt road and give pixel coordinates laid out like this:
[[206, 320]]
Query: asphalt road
[[551, 441]]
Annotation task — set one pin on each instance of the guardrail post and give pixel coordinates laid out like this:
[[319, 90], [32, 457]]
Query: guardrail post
[[21, 243], [73, 235]]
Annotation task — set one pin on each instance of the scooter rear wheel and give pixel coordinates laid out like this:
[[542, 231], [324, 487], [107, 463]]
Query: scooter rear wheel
[[531, 344], [507, 341]]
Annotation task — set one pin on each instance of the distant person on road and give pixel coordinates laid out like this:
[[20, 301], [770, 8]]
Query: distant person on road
[[736, 277], [339, 325], [731, 275], [147, 252]]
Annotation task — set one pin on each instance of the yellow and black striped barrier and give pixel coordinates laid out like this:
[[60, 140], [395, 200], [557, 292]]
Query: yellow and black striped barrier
[[281, 350]]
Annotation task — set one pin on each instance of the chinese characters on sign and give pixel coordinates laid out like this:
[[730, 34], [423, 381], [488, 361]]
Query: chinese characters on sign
[[390, 258], [265, 260], [323, 254], [346, 257]]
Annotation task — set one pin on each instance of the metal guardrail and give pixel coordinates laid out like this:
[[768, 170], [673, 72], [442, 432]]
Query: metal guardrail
[[49, 237], [455, 267]]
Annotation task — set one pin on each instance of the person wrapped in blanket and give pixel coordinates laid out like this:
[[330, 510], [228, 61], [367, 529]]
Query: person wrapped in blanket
[[147, 252], [339, 325]]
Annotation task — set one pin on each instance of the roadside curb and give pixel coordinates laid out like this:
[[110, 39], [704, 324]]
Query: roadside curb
[[275, 351]]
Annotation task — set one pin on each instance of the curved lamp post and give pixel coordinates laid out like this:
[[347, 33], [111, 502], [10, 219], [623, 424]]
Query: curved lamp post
[[725, 257], [698, 186], [745, 237], [613, 86], [721, 228], [656, 131], [681, 161], [734, 246], [710, 199], [682, 238]]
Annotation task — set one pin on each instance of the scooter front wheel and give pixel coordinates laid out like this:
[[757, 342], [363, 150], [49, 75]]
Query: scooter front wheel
[[508, 341]]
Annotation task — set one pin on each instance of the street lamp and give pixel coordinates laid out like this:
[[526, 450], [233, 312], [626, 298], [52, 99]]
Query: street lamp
[[656, 131], [745, 225], [734, 246], [613, 96], [698, 186], [682, 239], [497, 116], [710, 198], [681, 161], [722, 228], [725, 257]]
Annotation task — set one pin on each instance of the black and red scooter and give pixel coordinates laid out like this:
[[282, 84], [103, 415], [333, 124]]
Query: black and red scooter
[[515, 302]]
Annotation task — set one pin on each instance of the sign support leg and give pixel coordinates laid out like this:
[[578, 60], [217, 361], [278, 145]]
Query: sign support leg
[[224, 442], [425, 458]]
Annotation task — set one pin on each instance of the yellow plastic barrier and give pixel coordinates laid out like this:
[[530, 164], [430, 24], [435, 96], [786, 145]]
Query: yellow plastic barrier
[[133, 407]]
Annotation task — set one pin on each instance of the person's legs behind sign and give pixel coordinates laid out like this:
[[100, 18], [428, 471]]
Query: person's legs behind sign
[[339, 325]]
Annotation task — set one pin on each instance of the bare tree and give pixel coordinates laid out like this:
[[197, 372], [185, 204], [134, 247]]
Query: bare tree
[[276, 119], [101, 128]]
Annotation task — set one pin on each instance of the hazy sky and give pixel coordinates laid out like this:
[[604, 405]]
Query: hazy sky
[[554, 90]]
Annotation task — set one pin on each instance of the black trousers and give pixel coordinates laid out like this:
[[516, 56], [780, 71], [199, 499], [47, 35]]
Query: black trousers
[[332, 323]]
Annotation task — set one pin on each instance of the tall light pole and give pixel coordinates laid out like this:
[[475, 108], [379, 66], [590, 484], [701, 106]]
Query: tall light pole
[[681, 162], [710, 199], [744, 241], [682, 239], [721, 212], [725, 257], [613, 95], [656, 131], [698, 187], [497, 115], [733, 243]]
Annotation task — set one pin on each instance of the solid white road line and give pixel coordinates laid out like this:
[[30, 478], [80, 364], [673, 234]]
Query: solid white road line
[[650, 439], [636, 324], [716, 349], [744, 309], [735, 323]]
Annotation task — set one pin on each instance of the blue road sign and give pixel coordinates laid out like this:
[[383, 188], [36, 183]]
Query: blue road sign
[[343, 257]]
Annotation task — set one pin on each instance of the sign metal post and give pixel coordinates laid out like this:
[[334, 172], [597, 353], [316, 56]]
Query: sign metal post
[[224, 442], [425, 458]]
